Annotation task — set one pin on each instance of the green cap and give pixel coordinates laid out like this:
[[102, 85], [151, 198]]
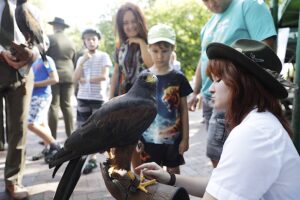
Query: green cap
[[161, 33]]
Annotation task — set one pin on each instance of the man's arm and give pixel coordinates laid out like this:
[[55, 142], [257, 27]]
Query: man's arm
[[192, 103]]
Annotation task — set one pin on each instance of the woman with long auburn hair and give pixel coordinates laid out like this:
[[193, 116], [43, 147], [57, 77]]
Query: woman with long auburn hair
[[259, 160], [131, 54]]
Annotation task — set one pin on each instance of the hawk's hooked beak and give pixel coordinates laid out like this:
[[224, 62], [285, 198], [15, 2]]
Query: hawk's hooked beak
[[151, 78]]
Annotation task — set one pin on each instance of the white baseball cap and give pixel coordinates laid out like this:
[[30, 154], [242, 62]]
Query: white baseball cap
[[161, 33]]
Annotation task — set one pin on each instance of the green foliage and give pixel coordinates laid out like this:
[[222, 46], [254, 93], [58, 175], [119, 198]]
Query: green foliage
[[75, 36], [187, 18], [108, 39]]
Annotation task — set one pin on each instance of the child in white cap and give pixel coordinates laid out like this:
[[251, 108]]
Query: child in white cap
[[167, 138]]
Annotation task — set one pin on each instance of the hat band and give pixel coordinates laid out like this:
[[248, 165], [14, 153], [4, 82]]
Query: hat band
[[257, 60]]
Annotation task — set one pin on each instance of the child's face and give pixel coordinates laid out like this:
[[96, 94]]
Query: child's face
[[130, 24], [91, 41], [220, 93], [160, 54]]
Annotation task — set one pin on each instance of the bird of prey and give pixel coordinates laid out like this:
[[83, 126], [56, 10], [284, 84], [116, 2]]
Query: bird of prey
[[30, 27], [118, 124]]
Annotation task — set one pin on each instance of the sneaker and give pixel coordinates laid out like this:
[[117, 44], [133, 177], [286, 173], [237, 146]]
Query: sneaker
[[92, 164], [49, 156], [17, 191], [40, 155]]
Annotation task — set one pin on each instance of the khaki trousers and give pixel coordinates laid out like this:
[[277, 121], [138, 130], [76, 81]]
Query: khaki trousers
[[17, 104], [61, 97]]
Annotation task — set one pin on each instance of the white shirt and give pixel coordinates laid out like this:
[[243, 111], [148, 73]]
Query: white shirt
[[259, 162], [94, 67]]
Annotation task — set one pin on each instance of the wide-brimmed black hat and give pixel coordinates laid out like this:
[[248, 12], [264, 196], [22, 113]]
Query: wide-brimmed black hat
[[59, 21], [255, 57]]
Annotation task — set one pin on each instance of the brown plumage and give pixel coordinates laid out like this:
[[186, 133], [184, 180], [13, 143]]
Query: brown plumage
[[30, 27], [118, 124]]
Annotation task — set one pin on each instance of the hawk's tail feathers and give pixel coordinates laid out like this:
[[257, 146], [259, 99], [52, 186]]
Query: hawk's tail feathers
[[55, 170], [69, 179]]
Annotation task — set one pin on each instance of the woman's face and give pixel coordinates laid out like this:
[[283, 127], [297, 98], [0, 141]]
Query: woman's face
[[220, 94], [130, 24]]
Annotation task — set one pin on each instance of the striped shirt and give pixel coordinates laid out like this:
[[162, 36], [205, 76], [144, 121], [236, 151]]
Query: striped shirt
[[91, 68]]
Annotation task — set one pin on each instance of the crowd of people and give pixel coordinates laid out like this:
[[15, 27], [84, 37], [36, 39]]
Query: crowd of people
[[249, 139]]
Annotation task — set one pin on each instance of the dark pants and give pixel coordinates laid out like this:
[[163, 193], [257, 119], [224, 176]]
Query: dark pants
[[85, 108], [17, 97], [61, 97]]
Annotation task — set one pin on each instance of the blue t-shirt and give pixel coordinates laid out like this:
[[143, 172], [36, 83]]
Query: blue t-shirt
[[243, 19], [41, 72], [166, 127]]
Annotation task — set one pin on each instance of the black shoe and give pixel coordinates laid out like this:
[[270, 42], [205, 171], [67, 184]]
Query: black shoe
[[92, 164], [40, 155], [51, 153]]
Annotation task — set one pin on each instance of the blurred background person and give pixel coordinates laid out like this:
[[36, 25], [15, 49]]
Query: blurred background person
[[131, 54], [44, 77], [63, 52], [175, 64], [91, 75]]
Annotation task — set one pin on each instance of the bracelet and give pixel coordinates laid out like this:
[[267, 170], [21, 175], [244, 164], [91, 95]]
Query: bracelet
[[172, 179]]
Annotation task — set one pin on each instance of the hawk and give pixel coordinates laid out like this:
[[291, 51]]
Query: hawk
[[118, 124]]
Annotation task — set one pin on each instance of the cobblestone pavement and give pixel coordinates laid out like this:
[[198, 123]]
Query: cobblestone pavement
[[41, 186]]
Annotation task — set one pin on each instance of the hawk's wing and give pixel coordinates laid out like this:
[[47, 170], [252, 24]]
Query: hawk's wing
[[116, 123]]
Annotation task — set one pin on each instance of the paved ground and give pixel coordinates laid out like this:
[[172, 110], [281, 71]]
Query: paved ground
[[37, 177]]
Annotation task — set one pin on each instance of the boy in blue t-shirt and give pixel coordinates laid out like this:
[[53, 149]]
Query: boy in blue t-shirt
[[167, 138], [44, 77]]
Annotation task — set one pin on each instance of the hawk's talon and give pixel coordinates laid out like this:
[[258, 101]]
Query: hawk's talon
[[142, 186]]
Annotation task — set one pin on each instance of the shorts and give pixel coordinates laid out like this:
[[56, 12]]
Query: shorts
[[85, 108], [207, 110], [39, 107], [164, 154], [217, 135]]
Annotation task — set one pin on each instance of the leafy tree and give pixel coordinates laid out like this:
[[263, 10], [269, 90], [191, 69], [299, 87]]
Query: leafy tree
[[106, 26]]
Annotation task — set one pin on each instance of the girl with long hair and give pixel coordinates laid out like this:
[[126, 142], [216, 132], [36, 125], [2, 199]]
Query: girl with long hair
[[131, 55]]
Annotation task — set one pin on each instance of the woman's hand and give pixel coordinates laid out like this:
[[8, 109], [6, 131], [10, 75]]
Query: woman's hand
[[135, 40], [153, 171]]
